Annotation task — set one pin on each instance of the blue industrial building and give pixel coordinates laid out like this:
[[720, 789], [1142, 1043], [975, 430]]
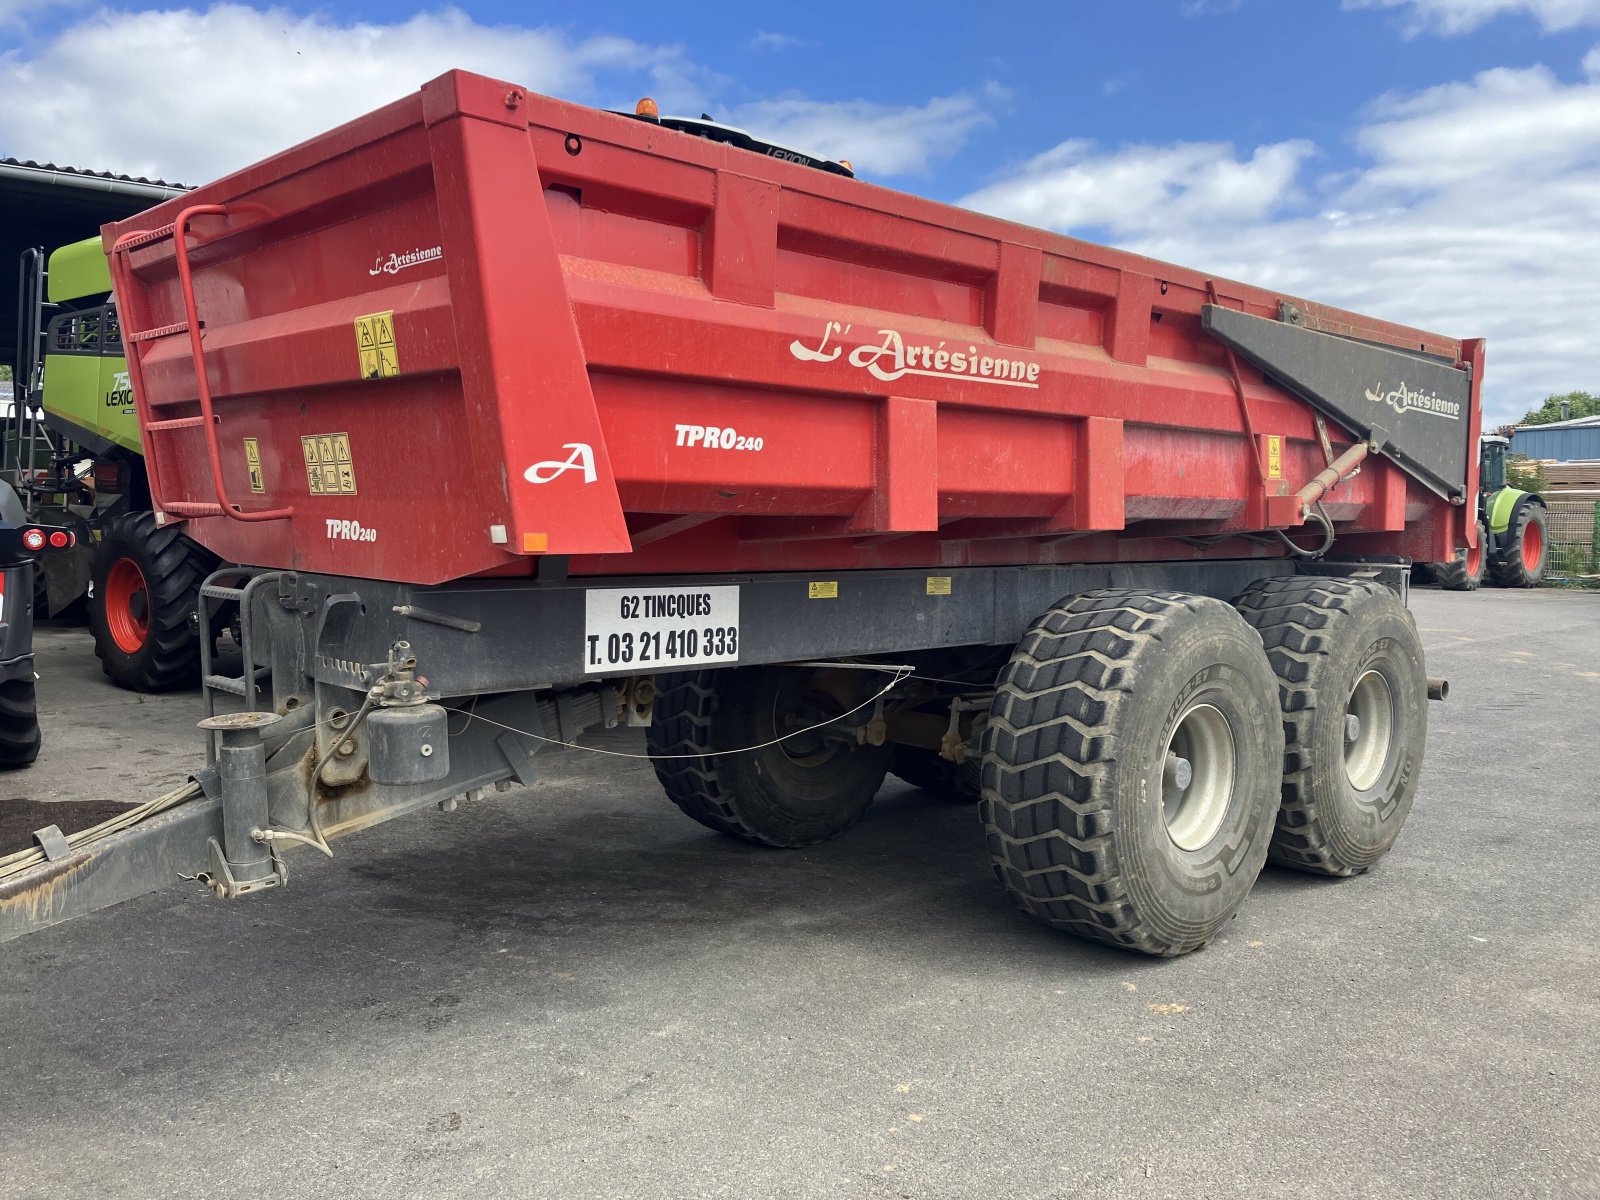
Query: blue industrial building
[[1577, 440]]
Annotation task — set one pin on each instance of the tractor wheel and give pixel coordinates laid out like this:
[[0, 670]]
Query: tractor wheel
[[1354, 694], [1465, 572], [1519, 560], [146, 591], [19, 724], [1131, 768], [926, 769], [807, 788]]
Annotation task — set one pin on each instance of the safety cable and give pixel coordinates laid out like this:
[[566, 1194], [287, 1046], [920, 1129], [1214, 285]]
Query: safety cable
[[23, 860], [901, 675]]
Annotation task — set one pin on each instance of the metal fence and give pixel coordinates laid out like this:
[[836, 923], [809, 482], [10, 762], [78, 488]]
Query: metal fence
[[1574, 531]]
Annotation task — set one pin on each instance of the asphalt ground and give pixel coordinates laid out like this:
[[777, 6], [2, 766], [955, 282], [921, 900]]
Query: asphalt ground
[[574, 991]]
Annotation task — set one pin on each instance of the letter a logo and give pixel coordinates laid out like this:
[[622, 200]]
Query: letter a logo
[[581, 459]]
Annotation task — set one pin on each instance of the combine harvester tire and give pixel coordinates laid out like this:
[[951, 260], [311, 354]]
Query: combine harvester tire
[[146, 588]]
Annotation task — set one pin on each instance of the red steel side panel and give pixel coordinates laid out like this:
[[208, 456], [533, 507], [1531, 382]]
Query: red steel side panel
[[478, 326]]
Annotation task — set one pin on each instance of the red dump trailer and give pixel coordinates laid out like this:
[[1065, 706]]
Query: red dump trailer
[[520, 418]]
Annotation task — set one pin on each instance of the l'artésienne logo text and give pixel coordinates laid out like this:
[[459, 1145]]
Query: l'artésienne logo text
[[396, 263], [894, 355], [1404, 399]]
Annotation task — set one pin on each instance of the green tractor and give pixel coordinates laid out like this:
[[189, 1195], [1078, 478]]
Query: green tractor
[[1512, 542], [78, 463]]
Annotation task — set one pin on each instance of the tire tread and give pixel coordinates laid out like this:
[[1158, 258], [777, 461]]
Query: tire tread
[[174, 568], [20, 737], [1297, 618], [1053, 847]]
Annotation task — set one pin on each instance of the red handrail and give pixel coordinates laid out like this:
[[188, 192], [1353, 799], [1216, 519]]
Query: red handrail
[[122, 265]]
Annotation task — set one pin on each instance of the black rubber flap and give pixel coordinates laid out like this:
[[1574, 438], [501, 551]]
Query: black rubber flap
[[1415, 408]]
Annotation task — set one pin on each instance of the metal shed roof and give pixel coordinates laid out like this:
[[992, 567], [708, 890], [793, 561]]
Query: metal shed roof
[[1573, 423], [48, 205]]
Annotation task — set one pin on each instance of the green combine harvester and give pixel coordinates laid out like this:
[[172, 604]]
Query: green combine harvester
[[1512, 544], [80, 465]]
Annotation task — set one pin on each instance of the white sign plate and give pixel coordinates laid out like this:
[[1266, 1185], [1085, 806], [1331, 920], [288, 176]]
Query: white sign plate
[[659, 629]]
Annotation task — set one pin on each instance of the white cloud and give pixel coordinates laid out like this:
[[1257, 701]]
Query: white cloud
[[199, 93], [1136, 189], [1473, 215], [1504, 123], [1463, 16], [766, 40], [878, 139]]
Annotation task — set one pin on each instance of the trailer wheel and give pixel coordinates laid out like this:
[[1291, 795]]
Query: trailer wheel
[[806, 789], [1131, 768], [1519, 559], [1464, 572], [1354, 693], [928, 770], [146, 588], [19, 724]]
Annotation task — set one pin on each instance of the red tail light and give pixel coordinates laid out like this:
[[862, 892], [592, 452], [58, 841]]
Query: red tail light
[[33, 539], [59, 540]]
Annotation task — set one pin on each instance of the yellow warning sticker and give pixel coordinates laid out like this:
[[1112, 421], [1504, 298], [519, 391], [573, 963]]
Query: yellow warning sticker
[[828, 590], [330, 470], [1274, 456], [252, 460], [938, 585], [375, 345]]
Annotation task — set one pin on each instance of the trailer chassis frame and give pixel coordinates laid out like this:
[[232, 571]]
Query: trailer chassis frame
[[494, 666]]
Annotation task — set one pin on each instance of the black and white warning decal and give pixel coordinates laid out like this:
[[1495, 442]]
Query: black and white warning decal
[[657, 629]]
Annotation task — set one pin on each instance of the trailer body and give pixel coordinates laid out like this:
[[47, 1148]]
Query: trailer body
[[480, 328], [520, 418]]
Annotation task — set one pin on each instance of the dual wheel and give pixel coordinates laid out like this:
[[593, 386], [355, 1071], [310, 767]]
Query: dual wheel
[[1146, 752]]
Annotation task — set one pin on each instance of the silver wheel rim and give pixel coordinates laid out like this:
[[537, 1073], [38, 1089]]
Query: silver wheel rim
[[1198, 769], [1369, 731]]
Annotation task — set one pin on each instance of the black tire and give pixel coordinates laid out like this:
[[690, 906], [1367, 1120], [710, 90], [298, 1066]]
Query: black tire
[[1464, 573], [166, 655], [928, 770], [1094, 696], [1344, 802], [1519, 560], [20, 738], [805, 790]]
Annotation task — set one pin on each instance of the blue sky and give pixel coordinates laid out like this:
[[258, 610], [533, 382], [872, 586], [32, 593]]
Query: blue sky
[[1432, 161]]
